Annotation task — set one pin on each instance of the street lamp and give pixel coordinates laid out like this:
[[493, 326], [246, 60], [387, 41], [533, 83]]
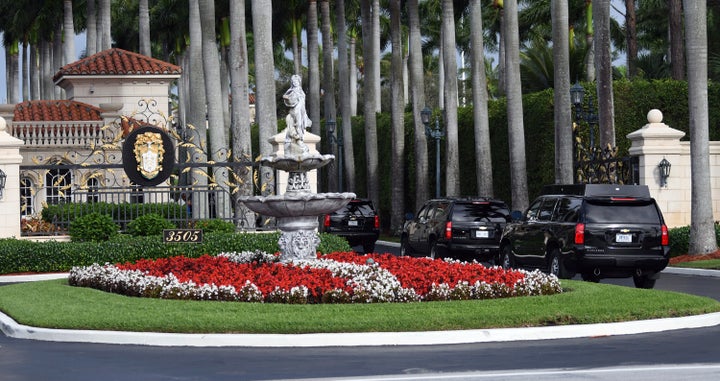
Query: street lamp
[[664, 171], [330, 125], [585, 112], [437, 133]]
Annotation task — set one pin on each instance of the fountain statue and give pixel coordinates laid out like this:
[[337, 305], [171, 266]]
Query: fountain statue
[[298, 209]]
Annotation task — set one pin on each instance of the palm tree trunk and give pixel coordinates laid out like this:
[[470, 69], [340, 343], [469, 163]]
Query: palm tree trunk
[[677, 58], [25, 71], [376, 53], [68, 32], [606, 109], [348, 162], [58, 58], [590, 41], [397, 192], [34, 72], [353, 76], [91, 33], [483, 154], [144, 28], [369, 108], [13, 67], [104, 23], [561, 94], [418, 101], [452, 154], [266, 110], [702, 227], [313, 67], [516, 134], [631, 37], [241, 142], [329, 87]]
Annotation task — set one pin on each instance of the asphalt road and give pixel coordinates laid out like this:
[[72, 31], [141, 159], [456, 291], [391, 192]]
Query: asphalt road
[[688, 354]]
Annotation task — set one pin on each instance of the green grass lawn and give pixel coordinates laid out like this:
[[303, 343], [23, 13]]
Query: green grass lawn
[[710, 264], [55, 304]]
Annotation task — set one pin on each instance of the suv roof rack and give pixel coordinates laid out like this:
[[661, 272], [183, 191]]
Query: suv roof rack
[[597, 190]]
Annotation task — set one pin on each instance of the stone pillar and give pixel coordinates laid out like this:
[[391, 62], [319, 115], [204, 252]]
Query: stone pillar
[[281, 177], [651, 144], [10, 160]]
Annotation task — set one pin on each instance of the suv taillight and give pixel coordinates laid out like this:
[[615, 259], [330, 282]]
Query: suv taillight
[[665, 238], [448, 230], [580, 234], [377, 222], [326, 221]]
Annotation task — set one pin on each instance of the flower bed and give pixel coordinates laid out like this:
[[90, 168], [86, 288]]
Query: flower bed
[[333, 278]]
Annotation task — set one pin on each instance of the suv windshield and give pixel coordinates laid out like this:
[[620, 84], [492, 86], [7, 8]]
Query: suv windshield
[[361, 209], [480, 211], [636, 211]]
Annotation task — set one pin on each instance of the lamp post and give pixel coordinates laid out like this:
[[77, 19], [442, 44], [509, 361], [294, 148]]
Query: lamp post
[[437, 133], [585, 112], [664, 167], [330, 125]]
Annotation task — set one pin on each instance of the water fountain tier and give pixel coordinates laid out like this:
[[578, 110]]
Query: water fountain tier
[[298, 209]]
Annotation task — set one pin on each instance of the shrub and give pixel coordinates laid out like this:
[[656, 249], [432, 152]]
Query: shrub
[[149, 224], [680, 239], [219, 226], [93, 227]]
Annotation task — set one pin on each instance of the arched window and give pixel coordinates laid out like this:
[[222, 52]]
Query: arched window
[[57, 186], [26, 197]]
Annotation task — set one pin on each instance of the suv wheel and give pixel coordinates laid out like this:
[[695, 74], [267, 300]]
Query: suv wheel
[[405, 249], [433, 250], [507, 261], [556, 266], [368, 247], [643, 281]]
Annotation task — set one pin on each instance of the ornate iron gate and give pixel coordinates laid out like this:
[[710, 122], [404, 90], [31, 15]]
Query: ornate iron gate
[[82, 163], [592, 164]]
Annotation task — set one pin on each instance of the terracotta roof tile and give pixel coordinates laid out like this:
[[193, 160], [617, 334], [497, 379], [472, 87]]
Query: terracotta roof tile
[[117, 62], [55, 110]]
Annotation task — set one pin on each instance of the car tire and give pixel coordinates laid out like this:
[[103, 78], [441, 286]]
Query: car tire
[[369, 247], [643, 281], [507, 261], [556, 266], [590, 277], [433, 250], [405, 249]]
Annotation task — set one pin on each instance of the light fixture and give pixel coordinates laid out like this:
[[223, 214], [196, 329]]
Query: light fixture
[[664, 171], [3, 178], [577, 94], [425, 116]]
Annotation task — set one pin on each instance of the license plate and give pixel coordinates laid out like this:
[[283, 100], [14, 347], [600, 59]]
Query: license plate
[[623, 238], [352, 223], [482, 234]]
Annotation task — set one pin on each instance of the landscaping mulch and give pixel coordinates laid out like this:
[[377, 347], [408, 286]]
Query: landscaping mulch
[[692, 258]]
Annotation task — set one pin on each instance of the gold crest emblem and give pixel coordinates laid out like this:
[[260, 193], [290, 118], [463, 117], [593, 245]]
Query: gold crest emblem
[[149, 153]]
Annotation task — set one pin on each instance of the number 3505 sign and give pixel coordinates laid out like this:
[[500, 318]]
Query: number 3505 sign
[[182, 235]]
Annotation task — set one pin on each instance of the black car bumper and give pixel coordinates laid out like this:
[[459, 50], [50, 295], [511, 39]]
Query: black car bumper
[[618, 265]]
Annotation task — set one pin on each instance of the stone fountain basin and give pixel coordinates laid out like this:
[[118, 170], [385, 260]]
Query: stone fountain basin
[[297, 163], [297, 204]]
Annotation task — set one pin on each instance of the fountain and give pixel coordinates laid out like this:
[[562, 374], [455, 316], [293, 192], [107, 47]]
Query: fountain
[[298, 209]]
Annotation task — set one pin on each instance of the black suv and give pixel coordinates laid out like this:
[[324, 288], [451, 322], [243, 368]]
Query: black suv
[[597, 230], [464, 228], [357, 222]]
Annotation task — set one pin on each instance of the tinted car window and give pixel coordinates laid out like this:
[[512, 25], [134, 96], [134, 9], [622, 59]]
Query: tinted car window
[[480, 211], [567, 209], [546, 210], [356, 209], [532, 210], [643, 212]]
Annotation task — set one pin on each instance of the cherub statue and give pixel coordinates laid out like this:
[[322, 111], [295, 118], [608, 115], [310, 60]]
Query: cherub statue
[[297, 119]]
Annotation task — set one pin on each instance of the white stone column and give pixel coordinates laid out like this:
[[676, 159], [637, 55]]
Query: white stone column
[[281, 177], [653, 142], [10, 160]]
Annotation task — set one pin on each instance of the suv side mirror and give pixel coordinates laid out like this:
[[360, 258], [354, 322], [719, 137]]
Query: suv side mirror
[[516, 215]]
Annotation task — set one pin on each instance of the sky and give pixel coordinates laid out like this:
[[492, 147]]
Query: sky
[[80, 47]]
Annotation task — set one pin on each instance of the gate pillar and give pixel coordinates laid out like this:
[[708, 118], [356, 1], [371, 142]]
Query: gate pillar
[[10, 160]]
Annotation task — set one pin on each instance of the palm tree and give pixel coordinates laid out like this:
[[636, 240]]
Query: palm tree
[[452, 156], [631, 38], [606, 109], [241, 137], [677, 59], [561, 95], [516, 135], [702, 226], [417, 81], [68, 32], [376, 80], [344, 97], [397, 208], [144, 28], [313, 49], [483, 156], [370, 55], [266, 110], [329, 107], [91, 28], [104, 22]]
